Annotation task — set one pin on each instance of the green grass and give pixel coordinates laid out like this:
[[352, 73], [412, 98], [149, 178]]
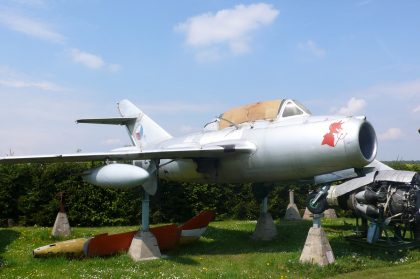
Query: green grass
[[225, 251]]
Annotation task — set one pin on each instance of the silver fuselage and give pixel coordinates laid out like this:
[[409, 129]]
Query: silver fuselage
[[285, 149]]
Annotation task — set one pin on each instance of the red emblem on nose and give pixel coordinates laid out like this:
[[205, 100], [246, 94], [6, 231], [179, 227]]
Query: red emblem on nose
[[335, 131]]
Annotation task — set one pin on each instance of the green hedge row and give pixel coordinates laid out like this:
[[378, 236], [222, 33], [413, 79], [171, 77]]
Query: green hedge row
[[28, 195]]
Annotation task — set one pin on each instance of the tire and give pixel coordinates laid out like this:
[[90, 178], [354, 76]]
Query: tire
[[319, 207]]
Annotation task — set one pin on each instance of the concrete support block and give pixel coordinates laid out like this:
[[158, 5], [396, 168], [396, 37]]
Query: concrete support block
[[330, 214], [144, 247], [307, 215], [61, 225], [292, 212], [266, 229], [317, 249]]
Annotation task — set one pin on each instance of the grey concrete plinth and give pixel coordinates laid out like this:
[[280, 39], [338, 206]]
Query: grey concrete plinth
[[144, 247], [317, 249], [61, 225], [307, 215], [292, 213], [266, 229], [330, 214]]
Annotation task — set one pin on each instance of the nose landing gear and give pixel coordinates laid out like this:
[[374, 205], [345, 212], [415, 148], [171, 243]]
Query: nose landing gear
[[317, 201]]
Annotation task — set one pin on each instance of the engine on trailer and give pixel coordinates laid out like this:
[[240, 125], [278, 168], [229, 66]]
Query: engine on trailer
[[389, 199], [394, 203]]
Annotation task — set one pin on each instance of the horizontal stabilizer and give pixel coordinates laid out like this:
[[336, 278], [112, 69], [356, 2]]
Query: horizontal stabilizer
[[109, 121]]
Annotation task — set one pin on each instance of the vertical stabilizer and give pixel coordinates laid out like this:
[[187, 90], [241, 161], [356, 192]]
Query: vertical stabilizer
[[144, 131]]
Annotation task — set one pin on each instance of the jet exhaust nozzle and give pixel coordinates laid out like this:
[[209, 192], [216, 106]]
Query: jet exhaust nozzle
[[116, 176]]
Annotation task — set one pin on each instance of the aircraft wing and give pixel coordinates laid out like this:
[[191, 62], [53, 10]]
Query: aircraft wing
[[214, 150]]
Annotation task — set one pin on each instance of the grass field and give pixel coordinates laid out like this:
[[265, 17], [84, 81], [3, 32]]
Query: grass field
[[225, 251]]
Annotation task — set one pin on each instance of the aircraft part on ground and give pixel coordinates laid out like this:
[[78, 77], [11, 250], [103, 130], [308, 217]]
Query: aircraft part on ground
[[200, 221], [189, 236], [389, 198], [116, 175], [105, 244], [70, 248], [168, 237]]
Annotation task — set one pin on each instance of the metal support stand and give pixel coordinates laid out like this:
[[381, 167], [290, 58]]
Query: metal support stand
[[145, 212], [317, 249], [144, 245], [266, 229], [264, 205]]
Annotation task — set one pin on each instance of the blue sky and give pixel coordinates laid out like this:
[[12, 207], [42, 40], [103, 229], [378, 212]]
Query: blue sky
[[183, 62]]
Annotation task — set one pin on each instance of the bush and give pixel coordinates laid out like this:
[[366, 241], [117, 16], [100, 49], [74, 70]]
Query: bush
[[28, 194]]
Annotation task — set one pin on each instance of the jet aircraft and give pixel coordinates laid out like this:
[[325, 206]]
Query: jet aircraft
[[265, 142]]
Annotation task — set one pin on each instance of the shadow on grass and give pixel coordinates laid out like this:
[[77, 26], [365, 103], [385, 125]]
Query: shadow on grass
[[343, 247], [6, 237], [291, 239], [221, 241]]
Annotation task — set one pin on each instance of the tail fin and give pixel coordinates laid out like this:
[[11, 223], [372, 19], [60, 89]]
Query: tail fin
[[143, 131]]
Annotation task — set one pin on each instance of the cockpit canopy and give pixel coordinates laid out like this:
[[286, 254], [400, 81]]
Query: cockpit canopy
[[267, 110]]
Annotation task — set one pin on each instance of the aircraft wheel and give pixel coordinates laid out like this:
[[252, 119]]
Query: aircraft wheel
[[320, 206]]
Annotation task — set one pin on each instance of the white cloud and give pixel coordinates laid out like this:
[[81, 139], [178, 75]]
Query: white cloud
[[92, 61], [353, 106], [30, 27], [416, 109], [87, 59], [45, 124], [43, 85], [312, 48], [41, 30], [12, 79], [391, 134], [229, 27]]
